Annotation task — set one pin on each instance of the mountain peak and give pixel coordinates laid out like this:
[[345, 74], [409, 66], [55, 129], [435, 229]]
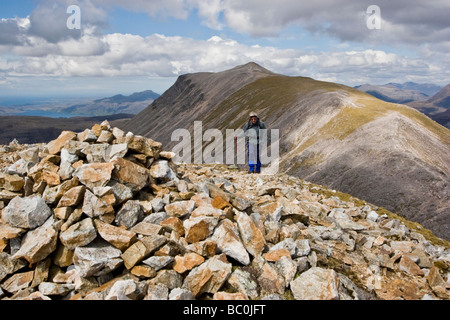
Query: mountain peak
[[252, 67]]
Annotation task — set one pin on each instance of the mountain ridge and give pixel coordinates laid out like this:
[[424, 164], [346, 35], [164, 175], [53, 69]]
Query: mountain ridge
[[137, 96], [329, 131], [200, 89]]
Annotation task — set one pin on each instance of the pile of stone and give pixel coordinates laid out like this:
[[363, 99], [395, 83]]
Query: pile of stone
[[104, 215], [322, 244]]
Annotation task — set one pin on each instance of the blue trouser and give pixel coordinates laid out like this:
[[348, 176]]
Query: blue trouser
[[252, 167], [252, 160]]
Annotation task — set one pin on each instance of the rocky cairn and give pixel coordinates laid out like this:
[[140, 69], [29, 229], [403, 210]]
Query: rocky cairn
[[104, 215]]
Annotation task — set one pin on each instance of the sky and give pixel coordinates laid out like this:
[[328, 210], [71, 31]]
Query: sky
[[99, 48]]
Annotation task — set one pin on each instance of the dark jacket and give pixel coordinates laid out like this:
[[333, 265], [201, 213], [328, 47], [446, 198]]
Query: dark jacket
[[257, 126]]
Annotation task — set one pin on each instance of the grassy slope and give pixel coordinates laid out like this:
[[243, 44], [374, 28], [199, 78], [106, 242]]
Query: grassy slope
[[267, 96]]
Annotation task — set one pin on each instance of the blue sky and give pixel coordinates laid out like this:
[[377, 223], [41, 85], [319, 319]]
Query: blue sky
[[135, 45]]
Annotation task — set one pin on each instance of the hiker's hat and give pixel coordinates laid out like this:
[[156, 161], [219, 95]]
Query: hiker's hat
[[253, 114]]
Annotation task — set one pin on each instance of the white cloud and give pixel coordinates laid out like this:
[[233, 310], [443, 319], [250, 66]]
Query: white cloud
[[409, 22], [404, 21], [121, 55], [209, 11], [38, 46]]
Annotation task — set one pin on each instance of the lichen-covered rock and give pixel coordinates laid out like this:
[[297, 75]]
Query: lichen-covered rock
[[180, 209], [251, 236], [316, 284], [209, 276], [37, 244], [79, 234], [130, 174], [229, 242]]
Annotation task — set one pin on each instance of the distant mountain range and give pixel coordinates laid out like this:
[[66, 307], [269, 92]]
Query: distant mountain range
[[427, 88], [430, 99], [118, 104], [437, 107], [388, 154], [44, 120], [132, 104], [400, 93]]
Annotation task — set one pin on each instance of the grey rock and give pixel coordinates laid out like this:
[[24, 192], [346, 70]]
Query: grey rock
[[372, 216], [96, 259], [157, 204], [59, 289], [287, 268], [169, 278], [158, 263], [127, 290], [67, 157], [95, 153], [6, 265], [181, 294], [28, 212], [302, 248], [115, 150], [347, 224], [161, 170], [130, 214], [121, 192], [94, 207], [157, 292], [156, 218], [79, 234], [30, 154], [87, 136], [273, 296], [20, 167], [348, 290], [288, 244], [75, 147], [66, 170], [242, 281]]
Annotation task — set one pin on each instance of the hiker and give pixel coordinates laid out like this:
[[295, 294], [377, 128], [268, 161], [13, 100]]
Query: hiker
[[252, 130]]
